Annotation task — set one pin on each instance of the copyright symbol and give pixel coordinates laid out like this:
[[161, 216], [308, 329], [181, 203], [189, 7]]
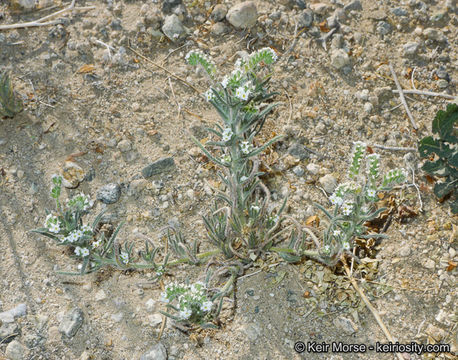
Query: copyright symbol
[[299, 347]]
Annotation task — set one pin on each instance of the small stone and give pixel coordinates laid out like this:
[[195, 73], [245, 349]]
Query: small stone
[[11, 314], [23, 4], [329, 183], [430, 264], [305, 18], [319, 8], [169, 5], [15, 350], [243, 15], [120, 57], [355, 5], [173, 28], [190, 194], [71, 322], [136, 187], [252, 331], [157, 352], [346, 325], [155, 320], [218, 28], [339, 59], [433, 34], [368, 107], [442, 84], [124, 146], [150, 305], [298, 151], [452, 252], [383, 28], [109, 194], [312, 168], [219, 12], [399, 11], [117, 317], [405, 251], [410, 48], [299, 171], [72, 175], [158, 167], [8, 331], [100, 295]]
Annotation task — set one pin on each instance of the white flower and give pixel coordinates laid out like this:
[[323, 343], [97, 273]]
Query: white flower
[[52, 223], [255, 208], [326, 249], [238, 63], [124, 256], [371, 193], [346, 245], [273, 54], [209, 95], [185, 314], [240, 93], [337, 232], [227, 135], [97, 243], [86, 229], [78, 251], [336, 200], [245, 146], [225, 81], [206, 306], [84, 252], [243, 178], [347, 208], [164, 298]]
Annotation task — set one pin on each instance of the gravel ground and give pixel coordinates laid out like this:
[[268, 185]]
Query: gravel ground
[[121, 125]]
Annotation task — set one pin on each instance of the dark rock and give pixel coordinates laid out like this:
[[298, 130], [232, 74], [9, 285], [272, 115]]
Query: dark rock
[[71, 322], [354, 5], [169, 5], [298, 151], [399, 11], [219, 12], [109, 194], [305, 18], [158, 167]]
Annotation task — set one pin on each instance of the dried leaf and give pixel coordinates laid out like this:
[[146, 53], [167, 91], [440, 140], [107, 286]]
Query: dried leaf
[[324, 26], [313, 221], [86, 69], [451, 265]]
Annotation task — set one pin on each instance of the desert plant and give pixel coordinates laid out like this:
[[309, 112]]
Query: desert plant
[[441, 150], [242, 224], [10, 104], [354, 205]]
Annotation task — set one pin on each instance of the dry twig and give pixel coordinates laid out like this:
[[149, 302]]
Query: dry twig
[[40, 22], [427, 93], [393, 148], [401, 96], [369, 305], [175, 98]]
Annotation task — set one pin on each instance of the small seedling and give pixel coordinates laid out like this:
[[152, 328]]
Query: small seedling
[[10, 104]]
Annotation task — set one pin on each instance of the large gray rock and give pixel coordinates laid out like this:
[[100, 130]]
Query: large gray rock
[[11, 314], [157, 352], [173, 28], [243, 15], [71, 322], [158, 167], [15, 350], [8, 331], [339, 59]]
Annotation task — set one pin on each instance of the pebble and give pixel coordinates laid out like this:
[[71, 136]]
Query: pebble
[[7, 331], [157, 352], [410, 48], [243, 15], [72, 175], [430, 264], [109, 194], [433, 34], [117, 317], [346, 325], [405, 251], [23, 4], [11, 314], [124, 146], [155, 320], [399, 11], [312, 168], [219, 28], [368, 107], [305, 18], [71, 322], [252, 331], [298, 151], [15, 350], [120, 58], [319, 8], [339, 59], [354, 5], [219, 12], [299, 171], [136, 187], [158, 167], [329, 183], [169, 5], [383, 28], [442, 84], [100, 295], [150, 305], [173, 28]]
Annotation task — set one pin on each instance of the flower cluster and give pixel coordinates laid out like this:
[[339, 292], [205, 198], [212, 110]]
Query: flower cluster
[[52, 223], [227, 135], [246, 147], [209, 94], [197, 57], [359, 149], [83, 252], [191, 301], [393, 177], [124, 256], [80, 202]]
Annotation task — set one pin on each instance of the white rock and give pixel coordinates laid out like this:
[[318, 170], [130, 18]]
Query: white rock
[[329, 183], [150, 305], [173, 28], [339, 59], [312, 168], [155, 320], [243, 15], [15, 350], [117, 317], [410, 48], [100, 295], [124, 145]]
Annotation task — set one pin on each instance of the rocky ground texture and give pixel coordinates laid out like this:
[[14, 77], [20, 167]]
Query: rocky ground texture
[[120, 126]]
